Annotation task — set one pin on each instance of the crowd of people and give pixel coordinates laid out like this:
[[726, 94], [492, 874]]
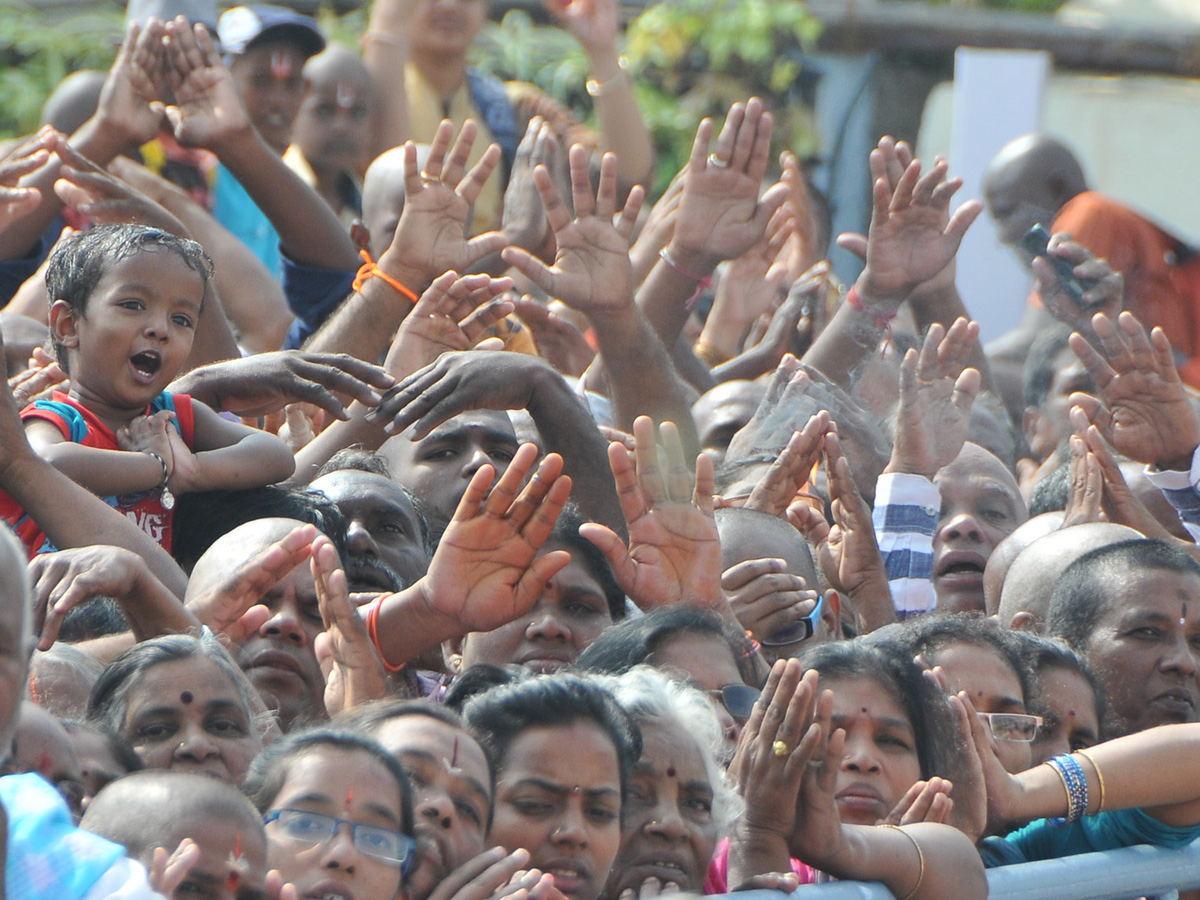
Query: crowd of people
[[402, 505]]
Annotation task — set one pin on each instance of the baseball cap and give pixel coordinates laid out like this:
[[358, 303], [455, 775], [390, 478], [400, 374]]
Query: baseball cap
[[244, 26]]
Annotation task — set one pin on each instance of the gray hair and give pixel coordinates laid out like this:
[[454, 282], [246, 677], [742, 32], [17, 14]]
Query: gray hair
[[648, 696]]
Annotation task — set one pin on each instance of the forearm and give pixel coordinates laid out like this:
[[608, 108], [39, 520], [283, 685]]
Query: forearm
[[309, 232], [71, 516], [663, 296], [948, 865], [257, 459], [640, 376], [252, 299], [406, 628], [1153, 769], [385, 50], [105, 472], [872, 603], [755, 852], [848, 339], [933, 302], [363, 326], [567, 428], [152, 610], [338, 435], [622, 127]]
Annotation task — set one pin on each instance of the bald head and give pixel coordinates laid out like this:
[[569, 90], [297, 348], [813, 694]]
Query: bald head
[[722, 411], [1028, 182], [74, 101], [1025, 596], [383, 195], [235, 548], [753, 534], [157, 808], [1008, 550]]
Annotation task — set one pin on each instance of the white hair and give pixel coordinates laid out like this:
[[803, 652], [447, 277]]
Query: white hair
[[650, 697]]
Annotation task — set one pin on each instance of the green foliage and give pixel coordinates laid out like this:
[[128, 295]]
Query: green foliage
[[689, 59], [40, 48]]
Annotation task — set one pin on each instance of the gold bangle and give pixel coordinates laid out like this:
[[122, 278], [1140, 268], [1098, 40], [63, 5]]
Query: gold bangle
[[1099, 777], [920, 859], [708, 354]]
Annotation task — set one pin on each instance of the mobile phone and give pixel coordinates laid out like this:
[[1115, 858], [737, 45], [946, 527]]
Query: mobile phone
[[1035, 242]]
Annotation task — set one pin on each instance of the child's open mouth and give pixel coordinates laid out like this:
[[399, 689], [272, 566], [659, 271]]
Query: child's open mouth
[[145, 365]]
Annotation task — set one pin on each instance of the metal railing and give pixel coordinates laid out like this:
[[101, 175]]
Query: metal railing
[[1142, 871]]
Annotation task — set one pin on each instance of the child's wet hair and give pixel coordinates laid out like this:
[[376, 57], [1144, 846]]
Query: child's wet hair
[[78, 263]]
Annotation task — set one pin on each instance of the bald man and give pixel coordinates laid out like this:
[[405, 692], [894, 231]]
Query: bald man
[[152, 809], [1029, 584], [1037, 178], [333, 129], [279, 657]]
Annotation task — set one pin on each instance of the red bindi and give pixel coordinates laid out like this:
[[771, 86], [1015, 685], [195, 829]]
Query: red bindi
[[670, 771], [186, 697], [863, 710], [349, 798], [1071, 713], [575, 790]]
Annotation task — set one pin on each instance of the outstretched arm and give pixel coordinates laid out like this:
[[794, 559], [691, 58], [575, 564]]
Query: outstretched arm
[[430, 239], [208, 112]]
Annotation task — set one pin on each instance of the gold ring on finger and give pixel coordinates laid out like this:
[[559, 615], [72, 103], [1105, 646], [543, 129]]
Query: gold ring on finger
[[779, 748], [714, 160]]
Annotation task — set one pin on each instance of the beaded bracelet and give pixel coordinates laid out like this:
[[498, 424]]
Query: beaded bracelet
[[165, 497], [1071, 773], [373, 634]]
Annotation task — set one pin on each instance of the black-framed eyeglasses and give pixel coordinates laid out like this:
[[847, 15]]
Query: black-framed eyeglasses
[[1018, 727], [384, 844], [801, 631], [738, 699]]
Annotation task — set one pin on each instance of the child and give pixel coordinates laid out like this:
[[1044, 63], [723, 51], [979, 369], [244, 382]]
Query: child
[[125, 300]]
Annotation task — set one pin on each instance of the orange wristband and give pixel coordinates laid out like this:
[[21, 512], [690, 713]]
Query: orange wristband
[[369, 269], [373, 634]]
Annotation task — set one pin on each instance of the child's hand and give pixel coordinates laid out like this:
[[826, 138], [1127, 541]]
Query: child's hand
[[150, 434], [185, 467]]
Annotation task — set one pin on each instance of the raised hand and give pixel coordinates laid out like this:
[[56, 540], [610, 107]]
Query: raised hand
[[232, 606], [106, 199], [592, 22], [129, 99], [36, 383], [169, 870], [208, 108], [431, 237], [674, 553], [1105, 287], [64, 580], [524, 222], [452, 314], [925, 801], [792, 469], [1141, 407], [847, 551], [911, 239], [486, 571], [591, 271], [26, 157], [720, 213], [767, 599], [559, 342], [936, 395], [265, 383], [354, 674]]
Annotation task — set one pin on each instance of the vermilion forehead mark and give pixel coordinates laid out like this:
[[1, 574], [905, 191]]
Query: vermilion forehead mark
[[575, 790], [349, 798], [186, 697], [670, 771], [863, 710], [1071, 713]]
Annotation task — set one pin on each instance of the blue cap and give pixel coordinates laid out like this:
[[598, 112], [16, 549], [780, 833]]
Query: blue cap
[[244, 26]]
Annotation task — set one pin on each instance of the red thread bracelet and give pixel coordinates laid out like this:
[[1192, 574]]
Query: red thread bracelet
[[373, 634], [369, 269], [703, 282]]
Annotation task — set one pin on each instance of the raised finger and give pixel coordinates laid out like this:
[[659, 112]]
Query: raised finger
[[650, 478], [534, 492], [471, 184], [503, 495], [729, 132], [557, 213], [437, 150], [743, 143], [679, 474]]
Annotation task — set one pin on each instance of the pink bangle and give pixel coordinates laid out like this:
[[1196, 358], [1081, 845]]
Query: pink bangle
[[703, 282]]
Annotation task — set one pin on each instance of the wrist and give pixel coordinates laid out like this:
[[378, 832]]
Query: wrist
[[239, 148], [695, 263], [874, 298], [409, 273]]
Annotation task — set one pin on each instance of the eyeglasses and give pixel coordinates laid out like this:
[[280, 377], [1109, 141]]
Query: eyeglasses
[[382, 844], [801, 631], [738, 699], [1017, 727]]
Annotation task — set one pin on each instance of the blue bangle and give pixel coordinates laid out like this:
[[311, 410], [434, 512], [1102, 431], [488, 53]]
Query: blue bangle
[[1075, 783]]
